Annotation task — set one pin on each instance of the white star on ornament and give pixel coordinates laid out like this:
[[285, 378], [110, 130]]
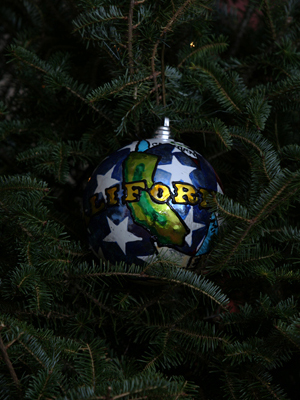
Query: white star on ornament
[[192, 225], [180, 171], [131, 146], [119, 234], [105, 181]]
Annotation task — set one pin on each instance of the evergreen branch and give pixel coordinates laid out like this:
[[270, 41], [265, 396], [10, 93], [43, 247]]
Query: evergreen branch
[[175, 17], [9, 364], [203, 49], [219, 86], [92, 365], [32, 353], [259, 109], [32, 60], [268, 387], [44, 385], [199, 336], [270, 210], [8, 128], [20, 186], [18, 223], [152, 361], [265, 151], [182, 393], [130, 27], [284, 87], [197, 283], [97, 16], [285, 334], [132, 108], [230, 385], [224, 211], [267, 63], [28, 254], [270, 23], [48, 315], [221, 130], [90, 105], [262, 214], [253, 260], [164, 31], [116, 86], [97, 302], [14, 340]]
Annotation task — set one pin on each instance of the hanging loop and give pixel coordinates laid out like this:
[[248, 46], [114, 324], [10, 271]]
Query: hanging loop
[[163, 133]]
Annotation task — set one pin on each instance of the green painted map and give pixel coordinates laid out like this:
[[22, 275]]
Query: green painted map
[[159, 219]]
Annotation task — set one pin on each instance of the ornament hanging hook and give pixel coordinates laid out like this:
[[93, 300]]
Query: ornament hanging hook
[[163, 132]]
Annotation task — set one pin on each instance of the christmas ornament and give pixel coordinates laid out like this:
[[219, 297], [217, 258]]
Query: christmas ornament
[[147, 202]]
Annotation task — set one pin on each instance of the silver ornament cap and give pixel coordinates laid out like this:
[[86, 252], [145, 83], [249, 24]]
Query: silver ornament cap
[[163, 133]]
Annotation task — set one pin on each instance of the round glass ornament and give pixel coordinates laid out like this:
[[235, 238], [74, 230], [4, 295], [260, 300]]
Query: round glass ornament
[[146, 202]]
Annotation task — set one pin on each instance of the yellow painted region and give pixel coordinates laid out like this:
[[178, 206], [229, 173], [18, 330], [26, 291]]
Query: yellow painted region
[[159, 192], [204, 196], [185, 194], [133, 190], [111, 196], [96, 209]]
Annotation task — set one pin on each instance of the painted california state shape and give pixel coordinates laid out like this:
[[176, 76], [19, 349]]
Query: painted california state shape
[[159, 219]]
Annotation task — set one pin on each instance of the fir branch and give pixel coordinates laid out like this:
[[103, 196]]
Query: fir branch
[[193, 282], [33, 61], [32, 353], [270, 24], [239, 209], [230, 385], [221, 130], [92, 365], [9, 365], [267, 209], [268, 157], [196, 335], [204, 49], [117, 86], [268, 387], [164, 31], [23, 183], [259, 109], [130, 27], [14, 340], [285, 334], [219, 86], [90, 105], [97, 302], [122, 126], [290, 85], [97, 16]]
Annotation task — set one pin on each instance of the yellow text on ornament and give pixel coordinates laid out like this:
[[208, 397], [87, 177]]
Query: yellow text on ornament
[[133, 190], [160, 192], [111, 196], [183, 193]]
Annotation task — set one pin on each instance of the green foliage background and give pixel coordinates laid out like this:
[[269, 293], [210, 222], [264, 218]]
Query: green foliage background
[[80, 79]]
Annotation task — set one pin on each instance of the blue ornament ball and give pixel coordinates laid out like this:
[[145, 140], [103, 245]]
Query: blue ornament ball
[[146, 202]]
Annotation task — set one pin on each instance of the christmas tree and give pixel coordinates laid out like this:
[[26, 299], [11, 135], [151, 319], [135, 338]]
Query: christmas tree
[[82, 78]]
